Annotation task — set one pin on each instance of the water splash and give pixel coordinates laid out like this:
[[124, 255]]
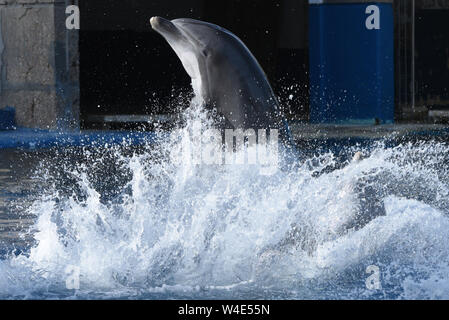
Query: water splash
[[155, 224]]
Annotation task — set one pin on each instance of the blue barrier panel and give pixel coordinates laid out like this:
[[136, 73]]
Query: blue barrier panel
[[351, 62]]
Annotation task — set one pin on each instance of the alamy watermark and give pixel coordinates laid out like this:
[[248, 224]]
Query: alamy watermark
[[373, 281], [72, 22], [212, 146]]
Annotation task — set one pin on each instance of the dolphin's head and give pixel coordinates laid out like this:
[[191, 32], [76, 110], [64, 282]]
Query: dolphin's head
[[193, 35], [194, 42], [187, 48]]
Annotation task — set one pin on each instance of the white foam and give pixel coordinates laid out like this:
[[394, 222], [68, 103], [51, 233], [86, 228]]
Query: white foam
[[184, 227]]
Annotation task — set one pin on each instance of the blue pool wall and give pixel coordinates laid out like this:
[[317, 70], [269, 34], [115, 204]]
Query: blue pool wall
[[351, 66]]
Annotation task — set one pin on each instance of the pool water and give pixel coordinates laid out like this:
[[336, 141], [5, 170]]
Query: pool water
[[148, 223]]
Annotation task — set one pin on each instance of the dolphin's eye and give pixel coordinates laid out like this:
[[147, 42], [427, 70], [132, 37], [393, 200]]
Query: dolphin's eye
[[205, 52]]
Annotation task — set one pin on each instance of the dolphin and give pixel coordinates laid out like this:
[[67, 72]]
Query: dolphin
[[225, 75]]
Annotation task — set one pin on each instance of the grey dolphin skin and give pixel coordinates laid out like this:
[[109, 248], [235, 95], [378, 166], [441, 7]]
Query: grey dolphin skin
[[225, 75]]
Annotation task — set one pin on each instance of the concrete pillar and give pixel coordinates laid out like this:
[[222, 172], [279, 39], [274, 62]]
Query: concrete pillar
[[39, 63]]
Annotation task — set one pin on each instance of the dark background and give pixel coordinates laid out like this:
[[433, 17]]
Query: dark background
[[432, 56], [127, 68]]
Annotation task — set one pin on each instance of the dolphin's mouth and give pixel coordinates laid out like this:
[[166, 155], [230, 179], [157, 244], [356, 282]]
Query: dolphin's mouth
[[163, 26]]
